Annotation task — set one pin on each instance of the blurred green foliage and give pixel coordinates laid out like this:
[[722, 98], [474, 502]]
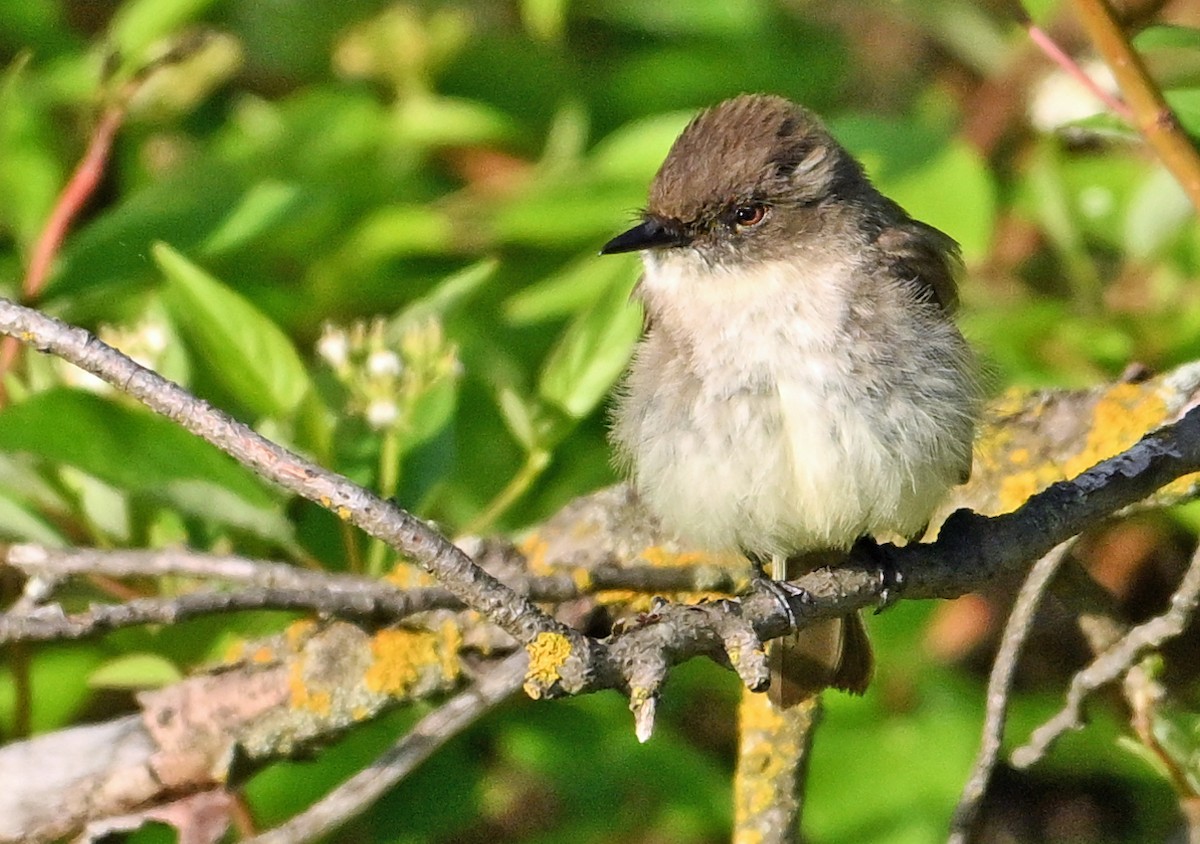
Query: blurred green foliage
[[370, 230]]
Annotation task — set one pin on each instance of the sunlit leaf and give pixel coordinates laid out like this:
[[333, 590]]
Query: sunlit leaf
[[576, 287], [244, 349], [449, 295], [591, 353], [139, 23], [263, 206], [134, 671], [133, 449]]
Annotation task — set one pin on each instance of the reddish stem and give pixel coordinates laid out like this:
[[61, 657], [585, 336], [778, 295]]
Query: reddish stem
[[70, 202], [1057, 55]]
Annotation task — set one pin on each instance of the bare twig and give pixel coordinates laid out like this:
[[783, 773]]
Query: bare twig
[[431, 732], [51, 624], [1115, 662], [1016, 631], [1059, 56], [280, 586], [1151, 114]]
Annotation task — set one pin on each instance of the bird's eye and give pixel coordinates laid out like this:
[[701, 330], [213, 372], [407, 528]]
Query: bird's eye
[[748, 216]]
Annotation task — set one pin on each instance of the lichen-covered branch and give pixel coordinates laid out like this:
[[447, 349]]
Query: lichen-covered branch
[[272, 699], [431, 732]]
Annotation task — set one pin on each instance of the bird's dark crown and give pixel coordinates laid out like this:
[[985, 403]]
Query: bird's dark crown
[[753, 148]]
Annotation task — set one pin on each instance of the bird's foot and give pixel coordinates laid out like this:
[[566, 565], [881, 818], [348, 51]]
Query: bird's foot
[[891, 579], [783, 592]]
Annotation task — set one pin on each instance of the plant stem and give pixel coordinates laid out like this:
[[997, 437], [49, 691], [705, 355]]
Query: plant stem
[[1151, 114], [389, 482], [536, 462]]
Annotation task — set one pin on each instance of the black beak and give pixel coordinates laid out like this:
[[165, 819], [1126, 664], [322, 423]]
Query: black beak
[[651, 233]]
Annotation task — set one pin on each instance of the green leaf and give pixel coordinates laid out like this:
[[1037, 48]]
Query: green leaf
[[1169, 36], [954, 192], [446, 297], [519, 417], [57, 683], [722, 19], [135, 671], [591, 354], [1156, 213], [1186, 104], [431, 412], [248, 354], [1178, 734], [567, 292], [135, 450], [637, 149], [262, 207], [544, 19], [449, 121], [23, 524]]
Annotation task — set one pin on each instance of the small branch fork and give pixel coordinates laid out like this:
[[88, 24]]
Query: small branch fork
[[1114, 663]]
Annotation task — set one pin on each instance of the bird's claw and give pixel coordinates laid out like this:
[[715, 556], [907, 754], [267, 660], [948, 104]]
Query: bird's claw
[[891, 579], [784, 592]]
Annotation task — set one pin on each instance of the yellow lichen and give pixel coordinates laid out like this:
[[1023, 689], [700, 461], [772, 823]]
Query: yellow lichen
[[757, 713], [1016, 488], [1122, 416], [548, 652], [302, 697], [656, 555], [406, 576], [582, 578], [448, 648], [298, 632], [398, 658], [533, 548]]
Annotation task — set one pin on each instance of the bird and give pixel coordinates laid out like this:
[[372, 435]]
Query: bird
[[800, 384]]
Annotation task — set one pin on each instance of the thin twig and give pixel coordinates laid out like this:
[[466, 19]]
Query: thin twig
[[1115, 662], [1151, 115], [279, 586], [431, 732], [51, 624], [1016, 632], [74, 196], [1071, 67]]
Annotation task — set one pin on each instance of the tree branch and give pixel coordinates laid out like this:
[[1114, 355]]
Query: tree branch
[[406, 533]]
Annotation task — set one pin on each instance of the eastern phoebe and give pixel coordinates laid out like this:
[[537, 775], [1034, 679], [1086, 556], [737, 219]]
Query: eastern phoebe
[[800, 384]]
